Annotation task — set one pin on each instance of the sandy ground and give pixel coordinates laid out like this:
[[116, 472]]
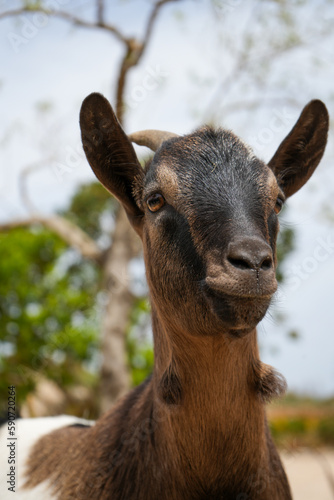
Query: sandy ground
[[307, 470]]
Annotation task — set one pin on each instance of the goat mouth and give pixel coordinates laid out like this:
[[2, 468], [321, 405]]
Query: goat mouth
[[251, 290], [238, 313]]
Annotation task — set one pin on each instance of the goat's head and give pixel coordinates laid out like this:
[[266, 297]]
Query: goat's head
[[206, 209]]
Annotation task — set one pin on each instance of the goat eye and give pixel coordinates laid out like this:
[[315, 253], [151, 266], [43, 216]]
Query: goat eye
[[155, 202], [279, 205]]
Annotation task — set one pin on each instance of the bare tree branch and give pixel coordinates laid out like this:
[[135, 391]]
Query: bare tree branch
[[149, 28], [67, 17], [134, 48], [24, 174], [135, 51], [100, 12], [69, 232], [73, 235], [243, 65]]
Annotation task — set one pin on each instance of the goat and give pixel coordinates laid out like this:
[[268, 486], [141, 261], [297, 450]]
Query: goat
[[206, 210]]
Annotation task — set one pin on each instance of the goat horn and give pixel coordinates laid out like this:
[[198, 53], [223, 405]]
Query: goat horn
[[152, 139]]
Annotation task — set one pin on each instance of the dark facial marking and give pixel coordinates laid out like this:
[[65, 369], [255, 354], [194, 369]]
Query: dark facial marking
[[176, 248]]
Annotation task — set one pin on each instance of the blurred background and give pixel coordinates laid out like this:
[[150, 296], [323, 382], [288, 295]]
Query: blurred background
[[74, 319]]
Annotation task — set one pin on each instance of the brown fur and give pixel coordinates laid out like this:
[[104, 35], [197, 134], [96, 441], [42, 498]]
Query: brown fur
[[143, 431], [197, 428]]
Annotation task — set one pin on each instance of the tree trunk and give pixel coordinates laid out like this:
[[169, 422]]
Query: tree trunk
[[115, 376]]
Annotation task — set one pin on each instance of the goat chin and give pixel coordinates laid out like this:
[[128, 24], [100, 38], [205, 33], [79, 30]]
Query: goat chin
[[240, 315]]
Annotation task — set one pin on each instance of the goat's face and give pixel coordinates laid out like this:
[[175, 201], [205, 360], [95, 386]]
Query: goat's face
[[209, 230], [206, 209]]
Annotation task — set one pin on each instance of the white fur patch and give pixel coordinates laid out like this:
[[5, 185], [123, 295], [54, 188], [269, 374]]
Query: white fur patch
[[28, 432]]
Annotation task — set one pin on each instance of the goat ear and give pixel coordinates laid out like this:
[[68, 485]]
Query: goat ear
[[110, 153], [300, 152]]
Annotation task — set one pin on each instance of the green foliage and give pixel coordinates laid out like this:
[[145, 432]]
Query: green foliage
[[139, 347], [49, 309], [285, 245], [33, 4], [326, 430], [303, 430], [301, 421], [294, 426], [293, 335], [46, 322]]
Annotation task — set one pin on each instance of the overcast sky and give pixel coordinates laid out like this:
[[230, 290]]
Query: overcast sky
[[48, 67]]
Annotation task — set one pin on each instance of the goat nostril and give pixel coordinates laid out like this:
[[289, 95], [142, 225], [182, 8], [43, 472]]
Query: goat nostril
[[239, 263], [266, 263], [249, 255]]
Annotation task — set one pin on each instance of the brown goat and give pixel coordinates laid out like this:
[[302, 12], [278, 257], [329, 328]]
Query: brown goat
[[206, 210]]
